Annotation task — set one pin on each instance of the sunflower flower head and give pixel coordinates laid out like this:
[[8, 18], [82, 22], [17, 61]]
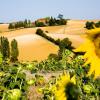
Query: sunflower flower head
[[91, 47], [59, 89]]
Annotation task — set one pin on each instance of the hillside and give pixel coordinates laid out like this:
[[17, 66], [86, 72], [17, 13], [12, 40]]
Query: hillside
[[33, 47], [3, 27]]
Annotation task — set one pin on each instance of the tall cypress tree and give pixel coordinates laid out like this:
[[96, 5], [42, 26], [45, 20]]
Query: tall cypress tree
[[25, 23], [5, 49], [14, 50], [52, 21]]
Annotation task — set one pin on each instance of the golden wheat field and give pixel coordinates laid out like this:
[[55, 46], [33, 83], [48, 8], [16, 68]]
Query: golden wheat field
[[33, 47]]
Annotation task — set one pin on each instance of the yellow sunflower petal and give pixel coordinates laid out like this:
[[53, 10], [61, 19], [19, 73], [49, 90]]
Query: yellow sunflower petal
[[90, 52]]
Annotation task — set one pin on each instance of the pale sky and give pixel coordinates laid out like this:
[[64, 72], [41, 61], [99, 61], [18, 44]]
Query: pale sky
[[14, 10]]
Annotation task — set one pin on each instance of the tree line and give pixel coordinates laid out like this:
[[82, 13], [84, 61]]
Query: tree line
[[50, 21], [92, 25], [8, 52], [65, 43], [21, 24]]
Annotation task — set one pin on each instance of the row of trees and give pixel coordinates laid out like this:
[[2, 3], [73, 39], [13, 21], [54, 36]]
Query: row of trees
[[50, 21], [65, 43], [92, 25], [54, 22], [6, 51], [20, 24]]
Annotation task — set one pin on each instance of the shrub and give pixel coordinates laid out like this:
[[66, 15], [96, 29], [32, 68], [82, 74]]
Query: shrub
[[66, 43], [14, 50], [11, 26], [89, 25], [39, 24], [97, 24], [39, 32], [92, 25]]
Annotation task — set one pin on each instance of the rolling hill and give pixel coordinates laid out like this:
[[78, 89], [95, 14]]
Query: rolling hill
[[33, 47]]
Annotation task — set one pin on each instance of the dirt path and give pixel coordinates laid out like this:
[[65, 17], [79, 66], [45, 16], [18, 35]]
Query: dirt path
[[33, 93]]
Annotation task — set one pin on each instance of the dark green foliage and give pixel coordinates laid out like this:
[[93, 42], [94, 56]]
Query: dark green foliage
[[11, 26], [89, 25], [39, 24], [54, 21], [5, 49], [58, 41], [97, 24], [20, 24], [53, 56], [14, 50], [51, 22], [12, 78], [61, 22], [41, 33], [60, 51], [25, 23], [30, 23], [65, 43], [72, 91], [50, 65], [92, 25]]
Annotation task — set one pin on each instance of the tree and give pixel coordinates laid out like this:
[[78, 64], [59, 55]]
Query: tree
[[97, 24], [66, 43], [89, 25], [39, 31], [5, 49], [14, 50], [52, 21], [39, 24], [29, 23], [11, 26], [17, 25], [25, 23]]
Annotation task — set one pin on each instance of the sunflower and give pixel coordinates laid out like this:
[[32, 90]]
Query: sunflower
[[91, 47], [59, 89]]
